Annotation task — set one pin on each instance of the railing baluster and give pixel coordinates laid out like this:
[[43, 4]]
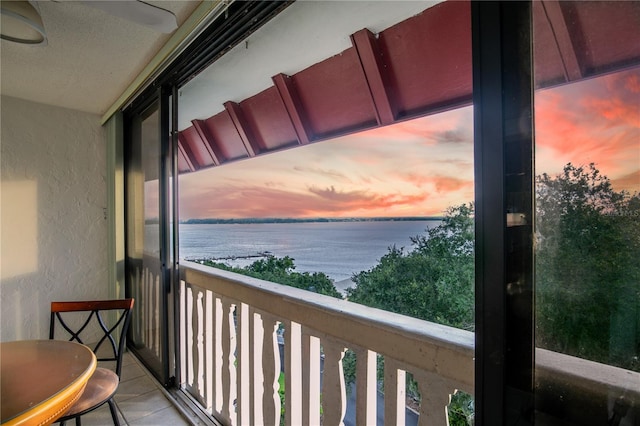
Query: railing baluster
[[144, 302], [187, 333], [435, 396], [134, 278], [366, 387], [334, 400], [148, 297], [310, 378], [155, 316], [195, 341], [243, 403], [257, 373], [228, 360], [293, 374], [394, 393], [207, 348], [271, 370], [182, 312], [216, 354]]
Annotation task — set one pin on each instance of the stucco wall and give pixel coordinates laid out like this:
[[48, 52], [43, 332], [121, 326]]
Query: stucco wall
[[53, 206]]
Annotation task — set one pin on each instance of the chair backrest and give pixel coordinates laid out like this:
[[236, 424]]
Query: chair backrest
[[117, 313]]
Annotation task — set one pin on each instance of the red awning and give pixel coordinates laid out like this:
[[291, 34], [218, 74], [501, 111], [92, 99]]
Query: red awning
[[417, 67]]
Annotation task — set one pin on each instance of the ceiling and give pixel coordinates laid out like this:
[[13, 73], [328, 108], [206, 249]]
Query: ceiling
[[90, 59]]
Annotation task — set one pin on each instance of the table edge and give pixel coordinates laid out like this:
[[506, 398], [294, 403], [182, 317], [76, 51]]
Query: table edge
[[67, 396]]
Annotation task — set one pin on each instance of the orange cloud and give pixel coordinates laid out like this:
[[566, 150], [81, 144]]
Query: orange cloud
[[595, 120], [404, 131], [449, 184], [330, 194], [392, 171], [442, 184], [629, 183], [255, 201], [453, 126], [632, 83]]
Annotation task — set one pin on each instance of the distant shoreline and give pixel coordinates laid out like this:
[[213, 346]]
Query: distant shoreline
[[260, 220]]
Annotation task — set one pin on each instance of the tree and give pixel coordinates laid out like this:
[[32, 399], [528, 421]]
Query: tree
[[587, 270], [434, 281], [281, 270]]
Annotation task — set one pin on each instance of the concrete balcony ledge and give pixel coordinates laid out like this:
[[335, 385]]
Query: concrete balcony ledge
[[588, 392], [357, 324]]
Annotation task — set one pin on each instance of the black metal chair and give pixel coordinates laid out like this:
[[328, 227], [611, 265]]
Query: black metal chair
[[110, 316]]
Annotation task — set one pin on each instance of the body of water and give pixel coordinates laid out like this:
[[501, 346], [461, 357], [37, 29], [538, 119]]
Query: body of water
[[339, 249]]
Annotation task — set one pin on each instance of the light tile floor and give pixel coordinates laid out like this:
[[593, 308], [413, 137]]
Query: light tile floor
[[140, 401]]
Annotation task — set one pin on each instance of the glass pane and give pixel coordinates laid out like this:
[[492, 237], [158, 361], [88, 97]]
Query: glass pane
[[143, 239], [338, 161], [588, 223]]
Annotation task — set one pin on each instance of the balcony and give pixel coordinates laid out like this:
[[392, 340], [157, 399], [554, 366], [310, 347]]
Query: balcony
[[232, 360], [237, 334]]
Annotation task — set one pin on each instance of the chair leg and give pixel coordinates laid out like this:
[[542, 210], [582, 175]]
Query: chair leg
[[78, 421], [114, 412]]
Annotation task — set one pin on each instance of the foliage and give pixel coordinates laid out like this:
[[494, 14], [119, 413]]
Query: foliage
[[461, 409], [282, 395], [587, 270], [281, 270], [434, 281]]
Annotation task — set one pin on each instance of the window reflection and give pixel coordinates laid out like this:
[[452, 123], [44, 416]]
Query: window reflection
[[588, 243]]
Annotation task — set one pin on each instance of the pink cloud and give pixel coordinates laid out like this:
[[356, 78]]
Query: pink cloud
[[256, 201], [330, 173], [453, 126], [596, 120], [448, 184], [632, 83], [629, 183], [442, 184], [330, 194]]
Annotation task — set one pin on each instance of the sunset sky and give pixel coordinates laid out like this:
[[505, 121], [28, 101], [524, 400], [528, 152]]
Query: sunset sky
[[420, 167]]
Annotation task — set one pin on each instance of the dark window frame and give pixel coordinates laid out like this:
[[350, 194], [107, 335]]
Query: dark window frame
[[503, 162]]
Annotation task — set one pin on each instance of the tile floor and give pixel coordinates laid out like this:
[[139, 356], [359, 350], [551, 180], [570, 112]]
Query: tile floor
[[140, 401]]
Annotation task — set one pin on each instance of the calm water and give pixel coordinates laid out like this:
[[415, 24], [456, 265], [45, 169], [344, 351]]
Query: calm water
[[338, 249]]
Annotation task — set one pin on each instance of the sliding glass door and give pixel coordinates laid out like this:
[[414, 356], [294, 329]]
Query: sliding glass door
[[147, 231]]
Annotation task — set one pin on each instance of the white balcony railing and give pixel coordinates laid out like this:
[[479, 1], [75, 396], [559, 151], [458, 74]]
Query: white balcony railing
[[231, 341], [231, 357]]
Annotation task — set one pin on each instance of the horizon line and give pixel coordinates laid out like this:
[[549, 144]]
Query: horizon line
[[306, 219]]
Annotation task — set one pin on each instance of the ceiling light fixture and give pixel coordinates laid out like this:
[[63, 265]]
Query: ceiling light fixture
[[21, 23]]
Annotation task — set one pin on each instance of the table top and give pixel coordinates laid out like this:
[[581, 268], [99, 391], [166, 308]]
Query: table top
[[41, 379]]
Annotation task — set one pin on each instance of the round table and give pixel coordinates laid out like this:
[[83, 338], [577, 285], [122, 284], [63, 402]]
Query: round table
[[41, 379]]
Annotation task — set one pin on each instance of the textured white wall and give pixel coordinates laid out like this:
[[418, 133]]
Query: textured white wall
[[52, 205]]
